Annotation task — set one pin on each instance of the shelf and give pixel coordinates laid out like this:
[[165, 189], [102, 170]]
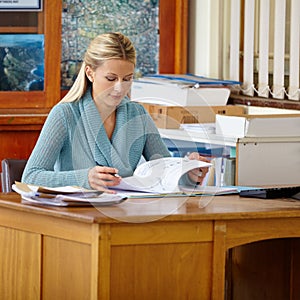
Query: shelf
[[197, 137]]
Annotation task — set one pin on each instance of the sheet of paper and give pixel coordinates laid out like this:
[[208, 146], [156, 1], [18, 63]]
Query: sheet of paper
[[160, 175]]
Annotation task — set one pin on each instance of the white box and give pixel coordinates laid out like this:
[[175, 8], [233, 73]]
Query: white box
[[258, 125], [268, 161], [178, 95]]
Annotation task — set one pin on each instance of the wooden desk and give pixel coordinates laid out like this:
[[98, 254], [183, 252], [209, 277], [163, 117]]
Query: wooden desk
[[142, 249]]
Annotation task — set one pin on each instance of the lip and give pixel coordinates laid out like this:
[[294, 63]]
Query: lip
[[117, 97]]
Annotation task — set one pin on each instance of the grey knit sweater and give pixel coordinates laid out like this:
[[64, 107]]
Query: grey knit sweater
[[73, 140]]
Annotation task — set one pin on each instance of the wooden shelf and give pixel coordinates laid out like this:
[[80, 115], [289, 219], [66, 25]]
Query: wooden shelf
[[18, 29]]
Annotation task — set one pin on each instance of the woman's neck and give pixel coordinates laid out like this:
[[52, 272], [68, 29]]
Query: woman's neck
[[109, 122]]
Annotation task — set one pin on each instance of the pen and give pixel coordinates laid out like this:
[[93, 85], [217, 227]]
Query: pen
[[113, 174], [37, 194]]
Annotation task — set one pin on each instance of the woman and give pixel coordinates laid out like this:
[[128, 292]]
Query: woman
[[96, 132]]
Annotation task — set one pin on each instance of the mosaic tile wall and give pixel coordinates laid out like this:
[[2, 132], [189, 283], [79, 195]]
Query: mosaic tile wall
[[82, 20]]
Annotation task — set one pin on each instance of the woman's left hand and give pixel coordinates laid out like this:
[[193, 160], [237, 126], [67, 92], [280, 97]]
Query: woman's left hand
[[197, 175]]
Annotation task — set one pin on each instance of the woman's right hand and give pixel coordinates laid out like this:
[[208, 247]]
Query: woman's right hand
[[101, 177]]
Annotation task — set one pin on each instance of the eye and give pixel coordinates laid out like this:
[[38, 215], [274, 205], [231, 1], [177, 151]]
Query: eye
[[128, 78], [110, 78]]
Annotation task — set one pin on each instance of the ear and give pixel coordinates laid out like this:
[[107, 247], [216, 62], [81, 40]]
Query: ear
[[89, 73]]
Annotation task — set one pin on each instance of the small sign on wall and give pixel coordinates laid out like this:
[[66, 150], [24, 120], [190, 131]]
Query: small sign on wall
[[21, 5]]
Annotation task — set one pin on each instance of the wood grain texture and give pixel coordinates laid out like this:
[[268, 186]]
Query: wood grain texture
[[173, 41], [83, 253], [20, 261]]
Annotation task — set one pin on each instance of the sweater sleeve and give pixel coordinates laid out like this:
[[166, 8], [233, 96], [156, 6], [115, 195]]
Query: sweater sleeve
[[40, 168], [156, 148], [154, 145]]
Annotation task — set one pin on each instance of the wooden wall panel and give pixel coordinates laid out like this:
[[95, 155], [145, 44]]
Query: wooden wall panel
[[19, 133], [173, 30]]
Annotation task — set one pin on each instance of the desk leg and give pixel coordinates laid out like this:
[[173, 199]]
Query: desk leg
[[219, 260]]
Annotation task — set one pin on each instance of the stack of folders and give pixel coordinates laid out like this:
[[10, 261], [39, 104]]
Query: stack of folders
[[224, 168], [229, 171]]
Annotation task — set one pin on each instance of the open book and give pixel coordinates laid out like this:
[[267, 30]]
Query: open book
[[65, 195], [160, 176]]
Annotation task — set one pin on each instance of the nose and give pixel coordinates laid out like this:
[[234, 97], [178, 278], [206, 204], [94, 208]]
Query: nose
[[118, 86]]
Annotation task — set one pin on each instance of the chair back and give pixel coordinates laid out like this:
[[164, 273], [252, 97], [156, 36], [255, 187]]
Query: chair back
[[12, 170]]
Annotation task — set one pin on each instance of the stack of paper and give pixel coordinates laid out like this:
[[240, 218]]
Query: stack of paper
[[66, 196], [199, 127]]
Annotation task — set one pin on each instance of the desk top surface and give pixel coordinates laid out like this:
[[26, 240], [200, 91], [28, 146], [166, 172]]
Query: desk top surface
[[228, 207]]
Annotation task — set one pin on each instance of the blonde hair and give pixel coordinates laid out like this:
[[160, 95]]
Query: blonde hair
[[113, 45]]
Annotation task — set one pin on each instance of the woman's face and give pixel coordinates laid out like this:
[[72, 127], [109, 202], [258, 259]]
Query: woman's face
[[111, 81]]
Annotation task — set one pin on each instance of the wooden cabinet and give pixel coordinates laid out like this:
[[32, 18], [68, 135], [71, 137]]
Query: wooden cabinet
[[82, 254]]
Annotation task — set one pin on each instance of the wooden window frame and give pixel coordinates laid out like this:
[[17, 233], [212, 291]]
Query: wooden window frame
[[49, 24]]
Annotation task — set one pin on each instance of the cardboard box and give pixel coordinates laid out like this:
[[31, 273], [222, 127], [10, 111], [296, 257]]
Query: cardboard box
[[171, 117], [175, 94], [270, 125]]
